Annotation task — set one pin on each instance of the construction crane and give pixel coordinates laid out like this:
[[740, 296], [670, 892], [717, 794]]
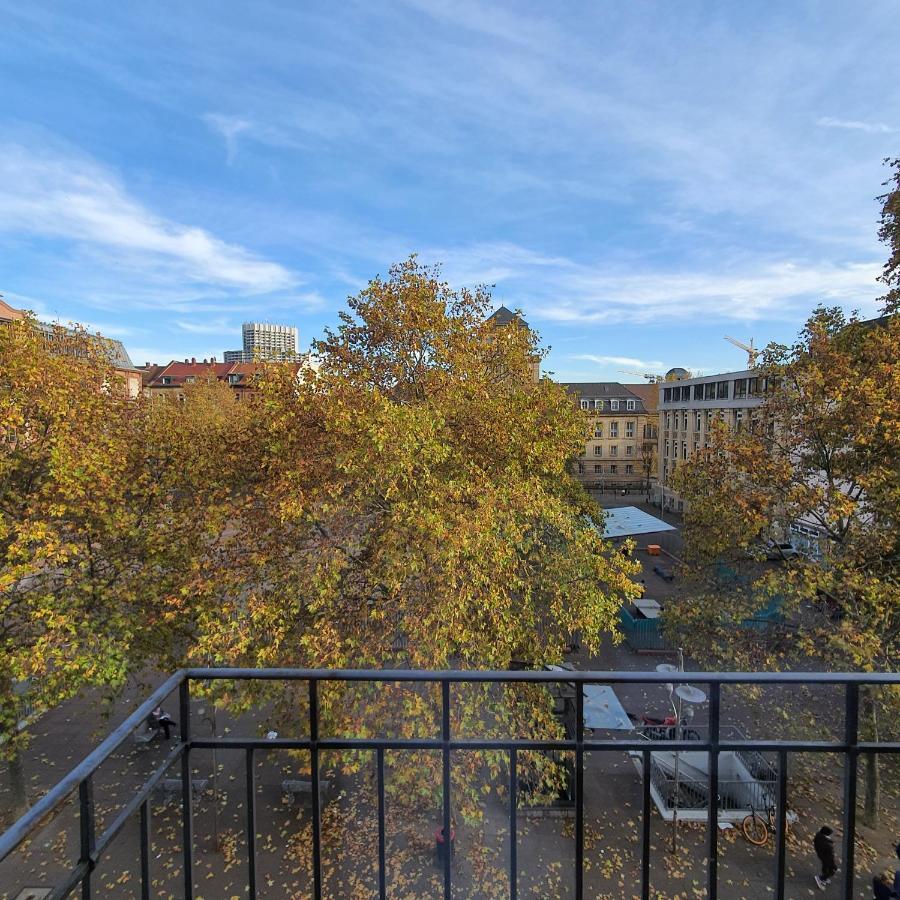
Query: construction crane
[[653, 379], [750, 350]]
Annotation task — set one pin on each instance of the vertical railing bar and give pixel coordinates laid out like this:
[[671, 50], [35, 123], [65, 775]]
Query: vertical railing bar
[[513, 825], [314, 774], [781, 825], [579, 791], [851, 739], [145, 851], [712, 822], [448, 830], [645, 829], [187, 804], [251, 823], [382, 863], [87, 830]]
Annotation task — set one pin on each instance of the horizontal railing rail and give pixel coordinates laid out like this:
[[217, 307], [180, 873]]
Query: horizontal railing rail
[[712, 739]]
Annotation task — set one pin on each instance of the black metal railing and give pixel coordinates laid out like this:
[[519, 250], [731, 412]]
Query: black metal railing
[[712, 739]]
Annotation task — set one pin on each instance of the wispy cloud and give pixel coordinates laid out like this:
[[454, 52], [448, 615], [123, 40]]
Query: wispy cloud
[[211, 326], [230, 127], [855, 125], [75, 199], [630, 361]]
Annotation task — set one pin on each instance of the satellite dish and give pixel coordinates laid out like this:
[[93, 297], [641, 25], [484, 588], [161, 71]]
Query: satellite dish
[[666, 667], [690, 694]]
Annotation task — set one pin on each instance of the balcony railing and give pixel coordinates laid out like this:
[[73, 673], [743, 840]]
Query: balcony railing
[[712, 739]]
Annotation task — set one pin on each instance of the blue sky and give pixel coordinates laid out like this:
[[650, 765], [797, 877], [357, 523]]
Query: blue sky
[[640, 178]]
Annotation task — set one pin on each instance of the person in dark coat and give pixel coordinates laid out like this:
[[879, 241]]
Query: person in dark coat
[[823, 844], [882, 886]]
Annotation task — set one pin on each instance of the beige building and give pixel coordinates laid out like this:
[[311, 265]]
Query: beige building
[[620, 450], [687, 410]]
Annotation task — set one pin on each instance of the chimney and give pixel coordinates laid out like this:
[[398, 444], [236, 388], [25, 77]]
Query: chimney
[[212, 360], [193, 361], [186, 362]]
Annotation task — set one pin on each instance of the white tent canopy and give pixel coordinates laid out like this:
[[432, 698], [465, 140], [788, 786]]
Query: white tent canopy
[[627, 520]]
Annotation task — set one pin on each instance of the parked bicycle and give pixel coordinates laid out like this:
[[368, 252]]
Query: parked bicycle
[[756, 828]]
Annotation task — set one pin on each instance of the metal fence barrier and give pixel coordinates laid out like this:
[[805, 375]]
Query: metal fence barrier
[[713, 739]]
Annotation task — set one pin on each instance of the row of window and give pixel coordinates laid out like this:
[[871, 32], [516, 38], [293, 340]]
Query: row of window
[[719, 390], [597, 404], [614, 450], [701, 420], [614, 429], [607, 470]]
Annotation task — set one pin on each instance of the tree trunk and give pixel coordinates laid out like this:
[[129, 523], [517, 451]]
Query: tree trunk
[[873, 769], [17, 804]]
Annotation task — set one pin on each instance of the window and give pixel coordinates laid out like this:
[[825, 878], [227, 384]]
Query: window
[[613, 429], [598, 450], [629, 429], [629, 404], [613, 470], [684, 421], [166, 379], [614, 450], [667, 395], [684, 449], [584, 404], [722, 390], [686, 392], [190, 379], [698, 391], [629, 450], [698, 423], [598, 429], [709, 390], [696, 446], [598, 469], [738, 419], [580, 469], [629, 470], [668, 421], [234, 379], [740, 388], [752, 386], [614, 405]]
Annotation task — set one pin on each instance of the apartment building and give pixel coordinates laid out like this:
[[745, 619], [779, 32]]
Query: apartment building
[[170, 380], [620, 450], [687, 410], [265, 341]]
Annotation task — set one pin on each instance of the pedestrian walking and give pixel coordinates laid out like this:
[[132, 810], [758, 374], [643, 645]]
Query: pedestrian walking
[[823, 844], [159, 719], [882, 885]]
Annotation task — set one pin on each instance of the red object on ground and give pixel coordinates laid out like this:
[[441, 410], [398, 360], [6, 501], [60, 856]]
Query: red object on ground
[[439, 835], [653, 549]]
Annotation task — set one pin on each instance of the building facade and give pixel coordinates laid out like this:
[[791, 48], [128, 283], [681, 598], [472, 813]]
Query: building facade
[[265, 341], [170, 380], [621, 444], [687, 410]]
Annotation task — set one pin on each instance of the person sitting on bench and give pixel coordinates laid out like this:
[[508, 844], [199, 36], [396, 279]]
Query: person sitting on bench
[[160, 719]]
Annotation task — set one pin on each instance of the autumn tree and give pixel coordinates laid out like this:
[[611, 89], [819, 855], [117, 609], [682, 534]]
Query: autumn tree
[[412, 507], [106, 506], [889, 233], [821, 450]]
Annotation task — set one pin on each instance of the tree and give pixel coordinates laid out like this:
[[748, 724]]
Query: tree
[[821, 450], [889, 233], [411, 506], [106, 504]]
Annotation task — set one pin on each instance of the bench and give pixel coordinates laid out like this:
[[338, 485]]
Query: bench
[[665, 574], [170, 788], [301, 789]]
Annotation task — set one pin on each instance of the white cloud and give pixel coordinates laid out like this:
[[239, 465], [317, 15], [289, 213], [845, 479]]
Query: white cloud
[[213, 326], [855, 125], [77, 200], [229, 127], [630, 361], [558, 289]]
